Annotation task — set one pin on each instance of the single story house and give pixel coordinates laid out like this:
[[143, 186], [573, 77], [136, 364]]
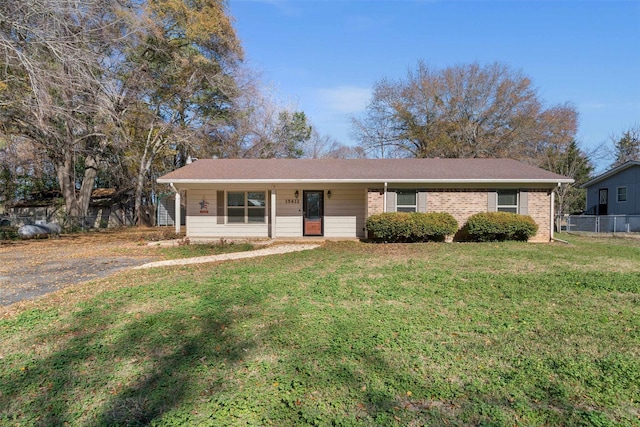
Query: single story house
[[615, 192], [332, 198]]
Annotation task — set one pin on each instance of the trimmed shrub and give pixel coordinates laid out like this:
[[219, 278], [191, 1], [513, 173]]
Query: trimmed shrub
[[499, 226], [411, 227]]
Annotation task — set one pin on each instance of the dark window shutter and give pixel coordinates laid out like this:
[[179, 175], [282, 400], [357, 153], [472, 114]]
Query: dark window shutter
[[422, 201], [523, 203], [492, 201], [391, 201]]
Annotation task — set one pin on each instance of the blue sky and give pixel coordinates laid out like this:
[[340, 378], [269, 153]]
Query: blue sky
[[325, 56]]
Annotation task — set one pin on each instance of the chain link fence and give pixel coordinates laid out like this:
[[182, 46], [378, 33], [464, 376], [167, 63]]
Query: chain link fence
[[599, 223]]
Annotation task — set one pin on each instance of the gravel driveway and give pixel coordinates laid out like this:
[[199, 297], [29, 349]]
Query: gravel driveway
[[32, 268], [29, 269]]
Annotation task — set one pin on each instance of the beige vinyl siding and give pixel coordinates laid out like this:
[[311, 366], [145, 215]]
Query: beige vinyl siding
[[344, 213], [197, 222], [289, 215], [194, 197], [206, 224], [208, 227]]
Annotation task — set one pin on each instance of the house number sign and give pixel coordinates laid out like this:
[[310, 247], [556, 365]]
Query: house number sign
[[291, 201]]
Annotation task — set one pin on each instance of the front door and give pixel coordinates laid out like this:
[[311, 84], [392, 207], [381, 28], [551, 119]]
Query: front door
[[603, 200], [313, 212]]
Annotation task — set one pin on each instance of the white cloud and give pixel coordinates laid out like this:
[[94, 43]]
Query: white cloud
[[343, 99]]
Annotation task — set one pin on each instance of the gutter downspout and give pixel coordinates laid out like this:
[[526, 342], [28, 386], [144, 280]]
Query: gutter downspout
[[178, 220]]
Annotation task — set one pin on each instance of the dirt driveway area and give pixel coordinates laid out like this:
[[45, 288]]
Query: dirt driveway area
[[31, 268]]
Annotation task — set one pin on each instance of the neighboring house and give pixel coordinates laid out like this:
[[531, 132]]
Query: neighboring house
[[615, 192], [294, 198], [107, 208]]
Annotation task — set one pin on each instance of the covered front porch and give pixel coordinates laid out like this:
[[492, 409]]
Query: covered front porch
[[273, 210]]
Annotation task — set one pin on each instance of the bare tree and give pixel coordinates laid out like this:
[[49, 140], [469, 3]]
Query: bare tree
[[262, 126], [327, 147], [137, 85], [25, 170], [89, 78], [462, 111], [54, 84], [177, 78]]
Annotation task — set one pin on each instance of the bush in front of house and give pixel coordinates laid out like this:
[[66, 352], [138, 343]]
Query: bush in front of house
[[499, 226], [410, 227]]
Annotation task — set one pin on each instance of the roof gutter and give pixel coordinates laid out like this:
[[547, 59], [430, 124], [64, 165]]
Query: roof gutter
[[364, 181]]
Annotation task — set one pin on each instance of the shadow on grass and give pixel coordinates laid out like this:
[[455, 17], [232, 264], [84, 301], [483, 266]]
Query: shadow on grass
[[355, 364], [125, 373], [337, 353]]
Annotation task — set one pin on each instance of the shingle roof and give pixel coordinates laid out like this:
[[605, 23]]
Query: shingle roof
[[360, 170], [611, 172]]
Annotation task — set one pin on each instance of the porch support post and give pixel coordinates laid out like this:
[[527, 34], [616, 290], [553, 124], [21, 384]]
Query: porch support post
[[384, 199], [177, 208], [273, 213], [178, 220]]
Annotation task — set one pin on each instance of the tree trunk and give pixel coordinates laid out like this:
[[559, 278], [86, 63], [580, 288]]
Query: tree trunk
[[137, 206], [145, 166], [64, 171], [77, 203], [88, 182]]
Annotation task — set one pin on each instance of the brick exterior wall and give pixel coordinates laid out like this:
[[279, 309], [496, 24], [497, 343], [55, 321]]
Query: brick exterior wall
[[539, 210], [376, 202], [464, 203], [461, 204]]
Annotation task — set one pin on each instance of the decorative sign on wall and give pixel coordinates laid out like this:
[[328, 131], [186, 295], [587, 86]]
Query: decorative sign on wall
[[204, 206]]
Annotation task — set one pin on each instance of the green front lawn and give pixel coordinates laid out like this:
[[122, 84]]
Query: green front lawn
[[492, 334]]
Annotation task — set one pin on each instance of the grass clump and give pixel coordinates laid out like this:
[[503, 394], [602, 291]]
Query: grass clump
[[350, 334], [203, 249]]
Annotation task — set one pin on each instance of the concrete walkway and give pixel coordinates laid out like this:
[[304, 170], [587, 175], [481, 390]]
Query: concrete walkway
[[271, 250]]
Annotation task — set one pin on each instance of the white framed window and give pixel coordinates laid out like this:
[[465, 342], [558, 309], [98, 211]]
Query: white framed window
[[406, 201], [246, 207], [507, 201], [622, 194]]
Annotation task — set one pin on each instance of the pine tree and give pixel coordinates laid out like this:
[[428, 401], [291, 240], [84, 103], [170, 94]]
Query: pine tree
[[627, 148]]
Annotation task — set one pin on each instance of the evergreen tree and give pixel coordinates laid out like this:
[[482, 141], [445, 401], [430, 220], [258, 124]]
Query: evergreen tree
[[574, 163], [627, 147]]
